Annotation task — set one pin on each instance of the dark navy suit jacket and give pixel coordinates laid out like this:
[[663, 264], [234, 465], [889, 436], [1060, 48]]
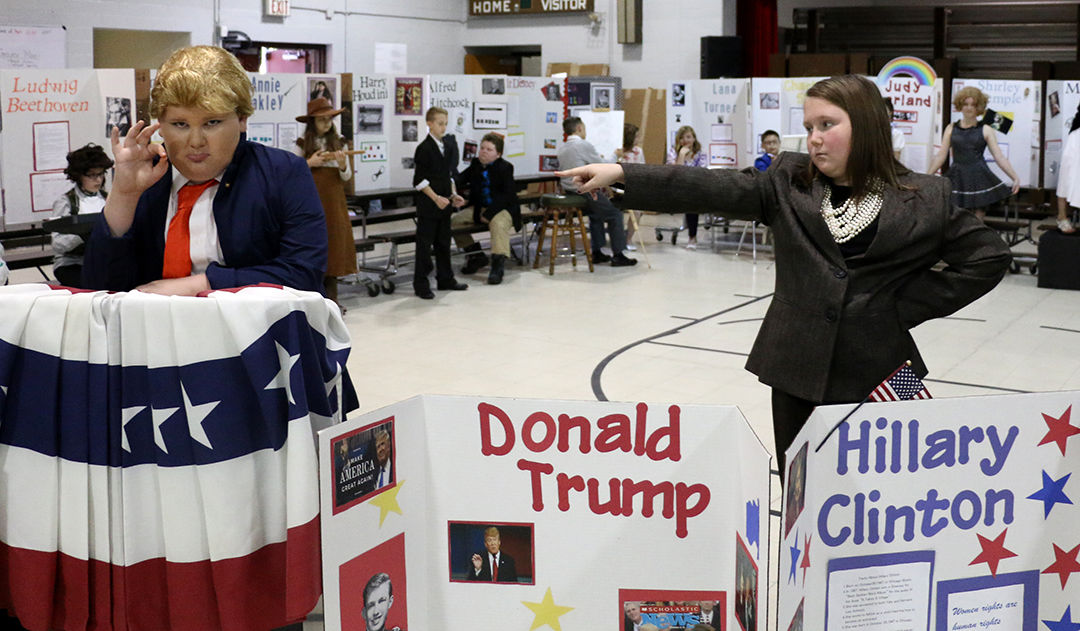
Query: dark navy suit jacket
[[270, 225]]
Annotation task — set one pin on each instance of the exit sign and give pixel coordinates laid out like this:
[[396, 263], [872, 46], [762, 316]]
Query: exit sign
[[276, 8]]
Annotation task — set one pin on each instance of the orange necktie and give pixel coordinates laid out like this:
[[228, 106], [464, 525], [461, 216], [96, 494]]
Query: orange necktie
[[177, 263]]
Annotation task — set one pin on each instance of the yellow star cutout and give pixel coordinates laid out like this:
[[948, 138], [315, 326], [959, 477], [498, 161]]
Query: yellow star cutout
[[547, 612], [387, 502]]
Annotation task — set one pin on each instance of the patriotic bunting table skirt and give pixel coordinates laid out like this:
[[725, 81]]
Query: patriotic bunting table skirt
[[157, 466]]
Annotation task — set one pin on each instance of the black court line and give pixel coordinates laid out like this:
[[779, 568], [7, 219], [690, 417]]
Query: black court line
[[740, 321], [977, 385], [1058, 328], [696, 348], [598, 391], [751, 296], [681, 317], [964, 319]]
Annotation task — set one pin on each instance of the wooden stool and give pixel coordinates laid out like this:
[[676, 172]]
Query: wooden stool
[[562, 213]]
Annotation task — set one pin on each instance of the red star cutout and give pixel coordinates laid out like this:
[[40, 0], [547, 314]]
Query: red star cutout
[[993, 552], [805, 563], [1064, 564], [1059, 429]]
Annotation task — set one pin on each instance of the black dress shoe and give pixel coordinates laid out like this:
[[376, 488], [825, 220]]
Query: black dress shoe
[[498, 263], [621, 260], [474, 263], [426, 294], [600, 257], [454, 286]]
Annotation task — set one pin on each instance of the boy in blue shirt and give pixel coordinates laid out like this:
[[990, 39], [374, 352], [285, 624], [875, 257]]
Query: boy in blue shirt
[[770, 144]]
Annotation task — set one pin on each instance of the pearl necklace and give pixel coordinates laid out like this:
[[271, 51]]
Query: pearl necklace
[[850, 218]]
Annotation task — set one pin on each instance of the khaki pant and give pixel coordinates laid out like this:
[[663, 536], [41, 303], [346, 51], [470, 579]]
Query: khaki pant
[[500, 227]]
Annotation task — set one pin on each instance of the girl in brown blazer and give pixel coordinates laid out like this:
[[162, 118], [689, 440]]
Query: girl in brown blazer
[[857, 238]]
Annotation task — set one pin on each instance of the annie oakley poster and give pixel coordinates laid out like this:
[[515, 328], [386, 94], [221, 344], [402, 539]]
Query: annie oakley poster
[[943, 515], [513, 514]]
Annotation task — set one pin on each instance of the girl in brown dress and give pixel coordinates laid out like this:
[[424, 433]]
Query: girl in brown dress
[[324, 151]]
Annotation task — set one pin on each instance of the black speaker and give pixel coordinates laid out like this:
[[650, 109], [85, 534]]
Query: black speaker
[[722, 56], [1059, 260]]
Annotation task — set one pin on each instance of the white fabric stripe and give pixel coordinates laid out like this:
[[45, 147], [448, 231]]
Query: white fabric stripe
[[43, 319], [985, 190], [223, 323], [422, 185], [126, 515]]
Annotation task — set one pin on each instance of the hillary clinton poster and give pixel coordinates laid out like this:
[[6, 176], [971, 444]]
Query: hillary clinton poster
[[941, 514]]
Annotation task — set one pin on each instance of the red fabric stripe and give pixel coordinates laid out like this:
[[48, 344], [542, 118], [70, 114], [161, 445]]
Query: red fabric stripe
[[882, 393], [276, 585]]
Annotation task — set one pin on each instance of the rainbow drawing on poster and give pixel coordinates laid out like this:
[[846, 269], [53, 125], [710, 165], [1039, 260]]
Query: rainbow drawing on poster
[[910, 66]]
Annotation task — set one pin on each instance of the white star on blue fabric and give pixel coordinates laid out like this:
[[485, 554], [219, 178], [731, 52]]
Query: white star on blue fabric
[[160, 416], [1065, 624], [196, 414], [281, 379], [334, 381], [126, 416], [796, 551], [1052, 492]]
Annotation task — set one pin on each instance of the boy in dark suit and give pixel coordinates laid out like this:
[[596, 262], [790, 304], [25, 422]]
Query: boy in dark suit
[[434, 182], [493, 565], [490, 182]]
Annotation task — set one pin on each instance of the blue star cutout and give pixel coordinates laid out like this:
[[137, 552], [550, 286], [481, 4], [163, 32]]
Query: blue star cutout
[[795, 552], [1065, 624], [1052, 492]]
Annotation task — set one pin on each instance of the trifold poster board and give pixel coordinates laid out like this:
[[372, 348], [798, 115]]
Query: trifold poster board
[[278, 98], [527, 111], [373, 105], [476, 105], [46, 114], [718, 111], [765, 113], [1019, 104], [792, 95], [1062, 97], [934, 515], [596, 510], [916, 107], [534, 114]]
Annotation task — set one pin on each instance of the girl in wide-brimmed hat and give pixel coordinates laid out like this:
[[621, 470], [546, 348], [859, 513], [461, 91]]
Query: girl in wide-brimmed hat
[[323, 149]]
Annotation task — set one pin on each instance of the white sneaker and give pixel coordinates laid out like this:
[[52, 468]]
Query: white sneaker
[[631, 247], [691, 245], [1065, 226]]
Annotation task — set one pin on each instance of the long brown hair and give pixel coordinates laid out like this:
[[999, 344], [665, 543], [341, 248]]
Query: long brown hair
[[308, 143], [871, 139], [695, 148], [629, 135]]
